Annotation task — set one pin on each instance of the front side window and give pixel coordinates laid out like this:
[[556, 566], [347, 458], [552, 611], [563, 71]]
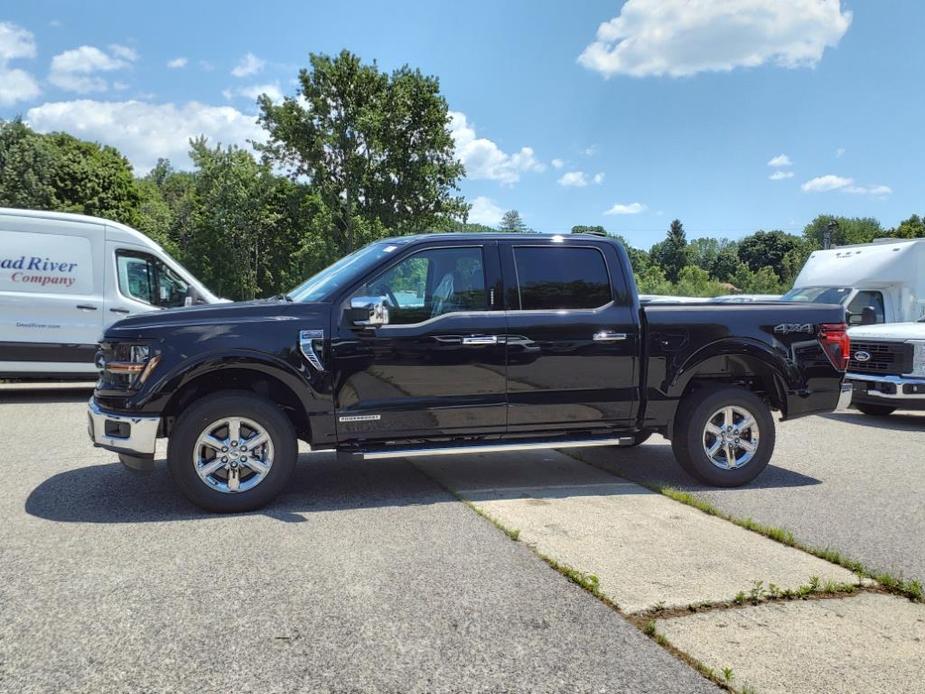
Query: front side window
[[862, 300], [431, 283], [148, 279], [551, 278]]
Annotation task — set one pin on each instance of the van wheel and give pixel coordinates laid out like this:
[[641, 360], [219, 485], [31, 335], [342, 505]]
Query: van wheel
[[875, 410], [232, 452], [724, 435]]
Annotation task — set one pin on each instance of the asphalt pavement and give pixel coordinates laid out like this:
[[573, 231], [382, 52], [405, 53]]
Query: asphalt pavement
[[364, 577], [845, 480]]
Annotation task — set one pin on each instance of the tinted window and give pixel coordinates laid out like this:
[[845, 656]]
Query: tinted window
[[561, 278], [431, 283]]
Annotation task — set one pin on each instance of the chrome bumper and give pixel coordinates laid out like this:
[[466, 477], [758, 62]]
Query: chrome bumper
[[844, 397], [122, 433], [898, 381]]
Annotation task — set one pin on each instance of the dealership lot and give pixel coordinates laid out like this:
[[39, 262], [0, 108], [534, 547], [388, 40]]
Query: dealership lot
[[375, 577]]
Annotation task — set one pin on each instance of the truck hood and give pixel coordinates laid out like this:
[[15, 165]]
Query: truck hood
[[156, 323], [890, 332]]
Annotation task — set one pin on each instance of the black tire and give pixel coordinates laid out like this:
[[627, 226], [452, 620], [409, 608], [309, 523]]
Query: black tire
[[639, 438], [202, 413], [875, 410], [691, 421]]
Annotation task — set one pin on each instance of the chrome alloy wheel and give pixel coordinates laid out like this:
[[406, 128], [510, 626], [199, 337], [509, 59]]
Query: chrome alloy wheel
[[233, 455], [730, 437]]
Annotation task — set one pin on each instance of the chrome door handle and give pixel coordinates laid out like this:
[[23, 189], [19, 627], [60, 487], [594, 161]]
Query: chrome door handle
[[480, 340], [609, 336]]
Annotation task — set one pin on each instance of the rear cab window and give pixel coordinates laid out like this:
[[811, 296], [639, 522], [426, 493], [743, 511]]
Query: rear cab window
[[550, 278]]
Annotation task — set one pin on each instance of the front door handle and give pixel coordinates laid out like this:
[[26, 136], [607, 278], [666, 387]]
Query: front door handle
[[609, 336], [86, 307], [120, 310], [480, 340]]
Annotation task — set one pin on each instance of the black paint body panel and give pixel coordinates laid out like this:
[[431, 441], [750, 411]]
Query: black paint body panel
[[545, 374]]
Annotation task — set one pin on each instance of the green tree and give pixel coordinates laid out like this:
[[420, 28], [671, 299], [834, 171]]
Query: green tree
[[849, 230], [652, 280], [511, 221], [26, 159], [912, 228], [767, 248], [726, 263], [376, 147], [596, 230], [672, 253], [764, 281], [695, 281]]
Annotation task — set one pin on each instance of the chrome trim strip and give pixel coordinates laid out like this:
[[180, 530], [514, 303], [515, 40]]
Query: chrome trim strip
[[307, 346], [898, 381], [608, 336], [142, 436], [494, 448]]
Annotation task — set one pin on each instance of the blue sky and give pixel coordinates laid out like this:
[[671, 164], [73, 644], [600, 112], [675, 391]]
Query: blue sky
[[670, 109]]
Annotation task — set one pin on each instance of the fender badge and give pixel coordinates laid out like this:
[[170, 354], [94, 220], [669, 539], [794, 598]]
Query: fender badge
[[787, 328], [307, 340]]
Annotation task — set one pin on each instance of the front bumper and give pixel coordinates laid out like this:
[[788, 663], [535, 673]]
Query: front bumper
[[902, 391], [844, 396], [130, 434]]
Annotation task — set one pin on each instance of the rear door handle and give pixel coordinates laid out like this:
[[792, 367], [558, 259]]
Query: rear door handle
[[480, 340], [120, 310], [609, 336], [86, 307]]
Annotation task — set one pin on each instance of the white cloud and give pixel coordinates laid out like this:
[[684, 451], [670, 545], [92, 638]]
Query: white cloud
[[839, 152], [830, 182], [484, 159], [629, 208], [250, 64], [557, 163], [574, 179], [684, 37], [578, 179], [780, 160], [822, 184], [781, 175], [253, 91], [75, 70], [15, 84], [177, 63], [145, 131], [485, 211]]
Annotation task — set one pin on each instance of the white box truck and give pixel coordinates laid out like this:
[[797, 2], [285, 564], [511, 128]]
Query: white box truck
[[886, 276], [66, 277]]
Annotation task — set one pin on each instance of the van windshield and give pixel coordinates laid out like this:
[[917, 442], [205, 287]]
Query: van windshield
[[817, 295], [320, 286]]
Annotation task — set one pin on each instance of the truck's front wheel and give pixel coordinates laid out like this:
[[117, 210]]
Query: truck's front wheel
[[232, 452], [723, 435]]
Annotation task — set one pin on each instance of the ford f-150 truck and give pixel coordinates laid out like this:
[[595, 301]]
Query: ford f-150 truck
[[459, 343]]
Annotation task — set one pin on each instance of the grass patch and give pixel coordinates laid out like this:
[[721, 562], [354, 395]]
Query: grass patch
[[911, 589]]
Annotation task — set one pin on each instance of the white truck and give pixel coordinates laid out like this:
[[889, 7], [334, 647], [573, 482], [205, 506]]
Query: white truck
[[886, 369], [879, 282], [65, 277]]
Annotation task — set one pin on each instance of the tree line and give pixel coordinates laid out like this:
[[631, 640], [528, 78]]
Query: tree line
[[358, 154]]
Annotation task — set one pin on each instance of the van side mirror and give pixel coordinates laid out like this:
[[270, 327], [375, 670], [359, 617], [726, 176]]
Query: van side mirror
[[868, 315], [368, 311]]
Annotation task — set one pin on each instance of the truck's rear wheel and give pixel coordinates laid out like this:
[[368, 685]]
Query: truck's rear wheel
[[875, 410], [232, 452], [723, 436]]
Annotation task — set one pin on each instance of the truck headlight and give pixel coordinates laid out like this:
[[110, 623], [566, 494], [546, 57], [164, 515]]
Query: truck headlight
[[918, 357], [135, 362]]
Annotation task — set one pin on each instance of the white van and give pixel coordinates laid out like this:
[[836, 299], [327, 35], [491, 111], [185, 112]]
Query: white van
[[887, 276], [65, 277]]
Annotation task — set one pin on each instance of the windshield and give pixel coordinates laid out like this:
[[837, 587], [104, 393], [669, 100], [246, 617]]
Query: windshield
[[817, 295], [320, 286]]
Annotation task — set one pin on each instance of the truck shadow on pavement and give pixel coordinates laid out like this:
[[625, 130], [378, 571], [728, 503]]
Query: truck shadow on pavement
[[109, 493], [906, 421]]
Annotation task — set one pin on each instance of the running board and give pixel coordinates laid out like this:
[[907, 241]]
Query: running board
[[494, 447]]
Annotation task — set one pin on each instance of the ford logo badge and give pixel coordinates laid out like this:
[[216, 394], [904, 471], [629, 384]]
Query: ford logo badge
[[861, 356]]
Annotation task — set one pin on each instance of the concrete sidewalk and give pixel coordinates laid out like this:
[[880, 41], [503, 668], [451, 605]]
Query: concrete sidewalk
[[649, 551]]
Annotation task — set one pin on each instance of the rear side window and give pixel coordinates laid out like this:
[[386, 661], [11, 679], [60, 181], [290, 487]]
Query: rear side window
[[561, 278]]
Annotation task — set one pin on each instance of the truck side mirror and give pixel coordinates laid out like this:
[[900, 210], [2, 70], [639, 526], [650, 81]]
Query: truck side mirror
[[368, 311], [868, 315]]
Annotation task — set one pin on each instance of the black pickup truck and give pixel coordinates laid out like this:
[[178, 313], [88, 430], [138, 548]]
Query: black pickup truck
[[459, 343]]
